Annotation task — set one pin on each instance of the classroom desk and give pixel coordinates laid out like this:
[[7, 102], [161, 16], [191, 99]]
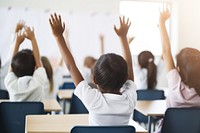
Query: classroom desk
[[151, 108], [65, 94], [49, 105], [61, 123]]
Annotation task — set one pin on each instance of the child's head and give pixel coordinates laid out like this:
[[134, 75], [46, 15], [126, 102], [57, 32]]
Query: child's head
[[23, 63], [110, 73], [188, 63], [146, 60], [49, 71], [89, 61]]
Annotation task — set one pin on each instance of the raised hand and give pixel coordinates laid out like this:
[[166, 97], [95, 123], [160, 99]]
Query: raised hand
[[19, 26], [56, 25], [124, 26], [19, 37], [164, 14], [29, 33]]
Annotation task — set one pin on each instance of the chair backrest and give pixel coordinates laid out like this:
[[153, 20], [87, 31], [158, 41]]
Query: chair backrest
[[4, 94], [12, 115], [76, 106], [181, 120], [67, 85], [150, 94], [103, 129]]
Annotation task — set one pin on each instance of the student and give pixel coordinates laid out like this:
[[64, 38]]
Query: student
[[114, 100], [183, 80], [26, 76], [49, 92], [146, 71]]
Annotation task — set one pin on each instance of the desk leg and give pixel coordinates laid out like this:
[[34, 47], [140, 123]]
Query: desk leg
[[149, 124], [64, 106]]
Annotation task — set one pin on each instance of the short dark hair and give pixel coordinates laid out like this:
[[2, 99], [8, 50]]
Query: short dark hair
[[23, 63], [146, 60], [188, 61], [110, 72]]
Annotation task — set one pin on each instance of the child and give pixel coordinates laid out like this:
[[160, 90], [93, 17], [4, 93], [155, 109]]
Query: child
[[49, 84], [26, 78], [114, 100], [147, 71], [183, 80]]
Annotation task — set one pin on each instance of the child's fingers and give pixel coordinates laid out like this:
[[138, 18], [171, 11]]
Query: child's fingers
[[56, 17]]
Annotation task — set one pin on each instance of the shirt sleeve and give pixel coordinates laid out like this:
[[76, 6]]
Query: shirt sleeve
[[10, 78], [86, 94], [174, 79], [40, 75]]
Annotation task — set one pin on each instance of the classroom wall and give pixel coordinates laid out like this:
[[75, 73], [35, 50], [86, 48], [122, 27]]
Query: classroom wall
[[189, 23]]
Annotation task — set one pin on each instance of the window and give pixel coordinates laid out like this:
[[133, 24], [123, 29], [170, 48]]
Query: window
[[144, 17]]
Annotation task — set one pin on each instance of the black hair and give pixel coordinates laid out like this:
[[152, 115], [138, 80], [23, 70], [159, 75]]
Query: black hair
[[110, 72], [23, 63], [146, 60], [188, 61]]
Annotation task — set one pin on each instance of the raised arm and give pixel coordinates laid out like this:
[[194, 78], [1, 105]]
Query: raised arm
[[166, 48], [101, 37], [29, 34], [19, 38], [57, 30], [122, 33]]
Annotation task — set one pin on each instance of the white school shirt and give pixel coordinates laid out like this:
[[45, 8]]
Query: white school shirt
[[107, 108], [26, 88]]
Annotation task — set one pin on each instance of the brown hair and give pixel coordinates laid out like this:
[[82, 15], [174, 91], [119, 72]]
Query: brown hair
[[47, 66], [188, 61], [146, 60]]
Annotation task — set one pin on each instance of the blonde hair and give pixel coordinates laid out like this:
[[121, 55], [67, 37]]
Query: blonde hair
[[47, 66]]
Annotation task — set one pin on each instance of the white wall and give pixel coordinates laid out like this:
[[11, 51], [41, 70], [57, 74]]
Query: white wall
[[189, 23]]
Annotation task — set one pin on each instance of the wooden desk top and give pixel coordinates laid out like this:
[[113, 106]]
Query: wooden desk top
[[61, 123], [152, 107], [65, 94], [49, 104]]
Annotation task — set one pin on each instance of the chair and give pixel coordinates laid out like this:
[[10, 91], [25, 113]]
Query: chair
[[150, 94], [77, 107], [181, 120], [103, 129], [12, 115], [67, 85], [4, 94]]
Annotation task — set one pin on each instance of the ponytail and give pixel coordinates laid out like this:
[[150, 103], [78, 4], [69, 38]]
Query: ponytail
[[151, 75]]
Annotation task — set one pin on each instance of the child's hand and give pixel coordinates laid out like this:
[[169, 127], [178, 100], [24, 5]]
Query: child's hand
[[164, 14], [29, 33], [56, 25], [19, 37], [124, 26], [19, 26]]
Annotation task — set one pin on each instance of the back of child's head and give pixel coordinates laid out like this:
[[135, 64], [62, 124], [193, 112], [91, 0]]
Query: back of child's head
[[110, 73], [146, 60], [23, 63], [188, 62], [49, 71], [89, 61]]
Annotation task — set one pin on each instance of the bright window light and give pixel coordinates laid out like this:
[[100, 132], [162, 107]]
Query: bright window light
[[144, 17]]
